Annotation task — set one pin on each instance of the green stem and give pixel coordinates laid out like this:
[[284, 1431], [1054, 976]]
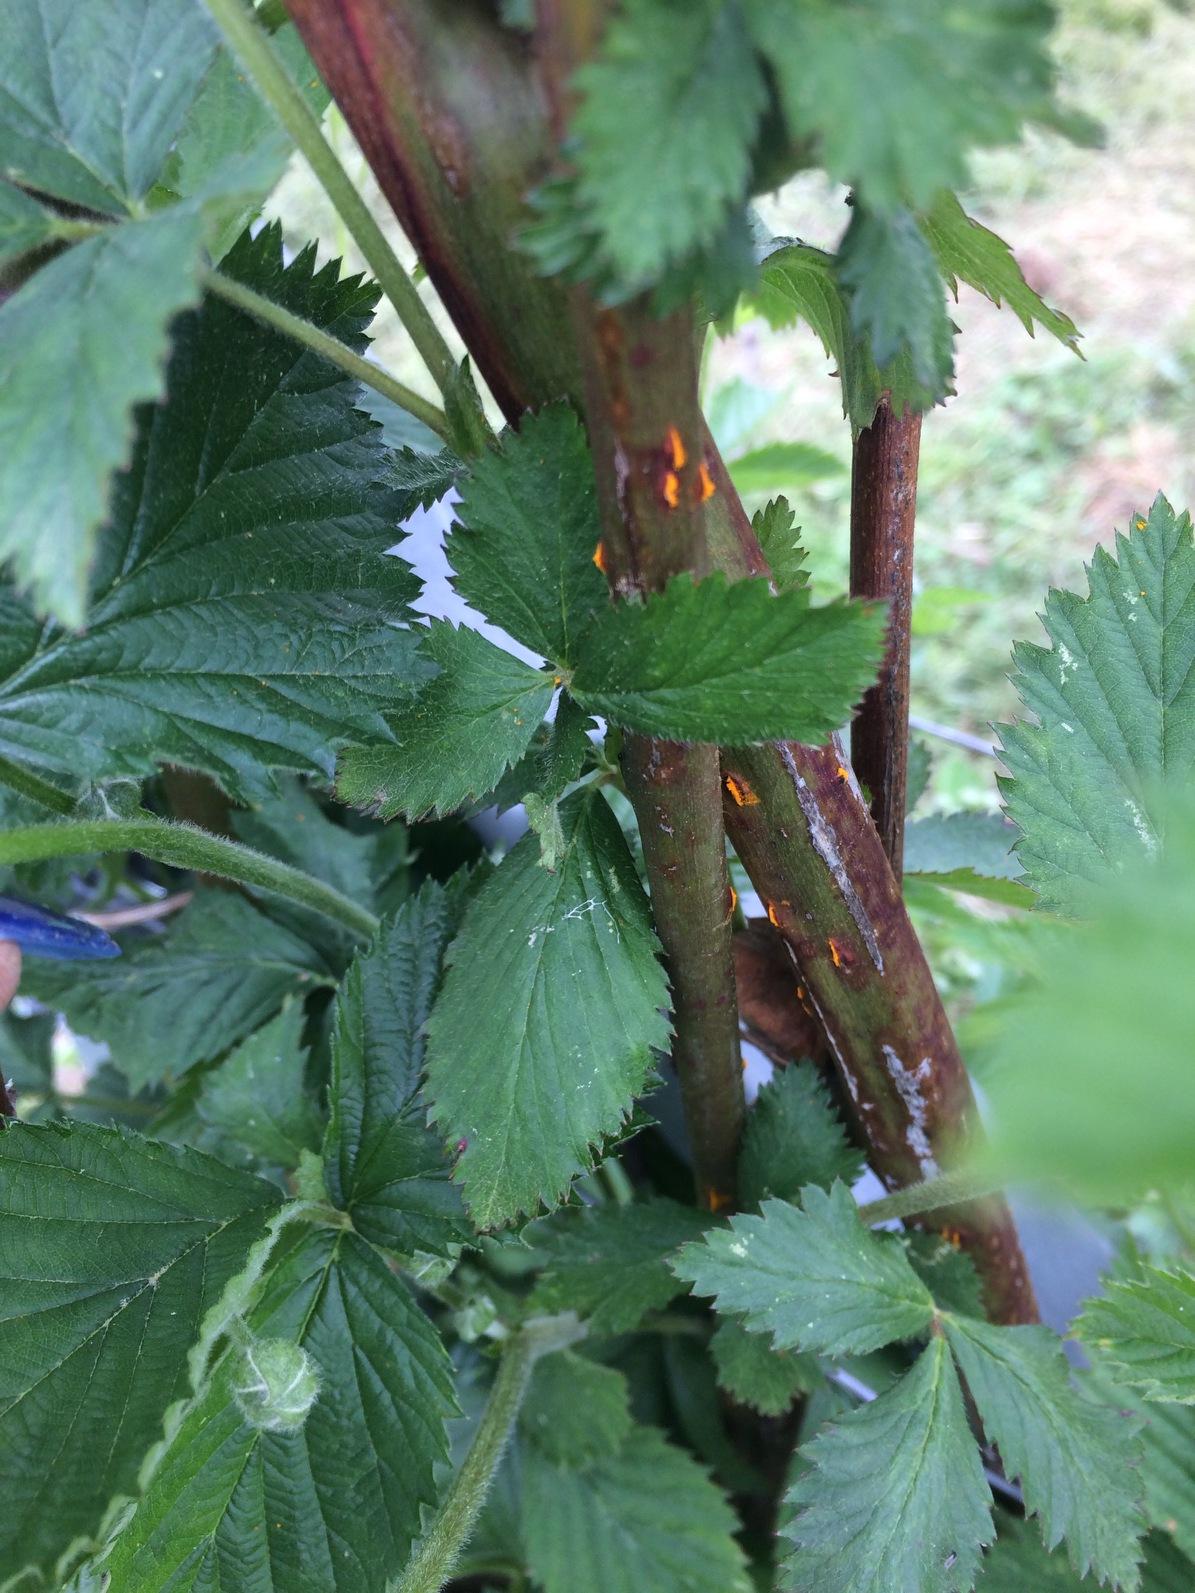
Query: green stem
[[184, 846], [331, 348], [441, 1547], [251, 44], [31, 785], [935, 1194]]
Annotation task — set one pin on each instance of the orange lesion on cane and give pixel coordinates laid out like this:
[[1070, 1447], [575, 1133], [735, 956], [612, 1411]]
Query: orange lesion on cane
[[805, 1003], [717, 1200], [741, 793], [732, 899], [774, 911], [671, 489], [599, 557], [842, 773], [675, 447], [836, 956], [706, 486]]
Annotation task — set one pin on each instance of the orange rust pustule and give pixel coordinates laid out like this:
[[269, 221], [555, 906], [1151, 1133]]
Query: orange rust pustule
[[599, 557], [740, 792], [706, 486]]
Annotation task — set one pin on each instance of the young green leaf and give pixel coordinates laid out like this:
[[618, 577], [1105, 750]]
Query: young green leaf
[[422, 479], [382, 1163], [554, 760], [797, 281], [793, 1138], [779, 535], [528, 526], [609, 1263], [894, 1495], [219, 972], [665, 130], [895, 92], [229, 1498], [1114, 698], [258, 1098], [1076, 1460], [644, 1520], [242, 606], [92, 97], [24, 224], [967, 852], [1146, 1328], [112, 1248], [755, 1374], [897, 297], [82, 342], [563, 969], [947, 1272], [575, 1410], [968, 252], [731, 663], [457, 738], [813, 1277]]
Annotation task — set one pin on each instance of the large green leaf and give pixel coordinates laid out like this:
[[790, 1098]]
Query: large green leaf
[[646, 1519], [897, 297], [665, 129], [333, 1505], [112, 1248], [894, 1496], [92, 96], [24, 224], [242, 604], [1114, 698], [1068, 1101], [1145, 1326], [1076, 1460], [219, 971], [575, 1409], [813, 1277], [968, 252], [968, 852], [793, 1138], [82, 342], [382, 1163], [755, 1374], [729, 662], [896, 91], [609, 1263], [523, 550], [457, 739], [544, 1031], [1018, 1563]]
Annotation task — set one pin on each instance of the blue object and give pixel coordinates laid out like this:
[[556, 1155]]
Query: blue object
[[42, 933]]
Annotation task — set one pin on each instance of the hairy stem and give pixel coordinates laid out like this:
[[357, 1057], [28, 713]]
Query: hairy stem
[[441, 1547], [252, 46], [883, 510], [184, 846], [331, 348], [936, 1194], [402, 74]]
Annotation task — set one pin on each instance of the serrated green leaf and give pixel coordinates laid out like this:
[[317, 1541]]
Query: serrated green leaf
[[797, 281], [894, 1495], [783, 464], [81, 343], [219, 971], [1167, 1466], [728, 662], [382, 1163], [1115, 703], [778, 534], [458, 737], [755, 1374], [968, 252], [665, 129], [334, 1505], [967, 852], [551, 764], [609, 1263], [422, 479], [257, 1095], [1066, 1103], [897, 298], [528, 526], [895, 91], [948, 1273], [813, 1277], [1145, 1327], [242, 609], [24, 224], [793, 1138], [644, 1520], [564, 967], [1076, 1460], [575, 1410], [112, 1248], [1018, 1563], [92, 96]]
